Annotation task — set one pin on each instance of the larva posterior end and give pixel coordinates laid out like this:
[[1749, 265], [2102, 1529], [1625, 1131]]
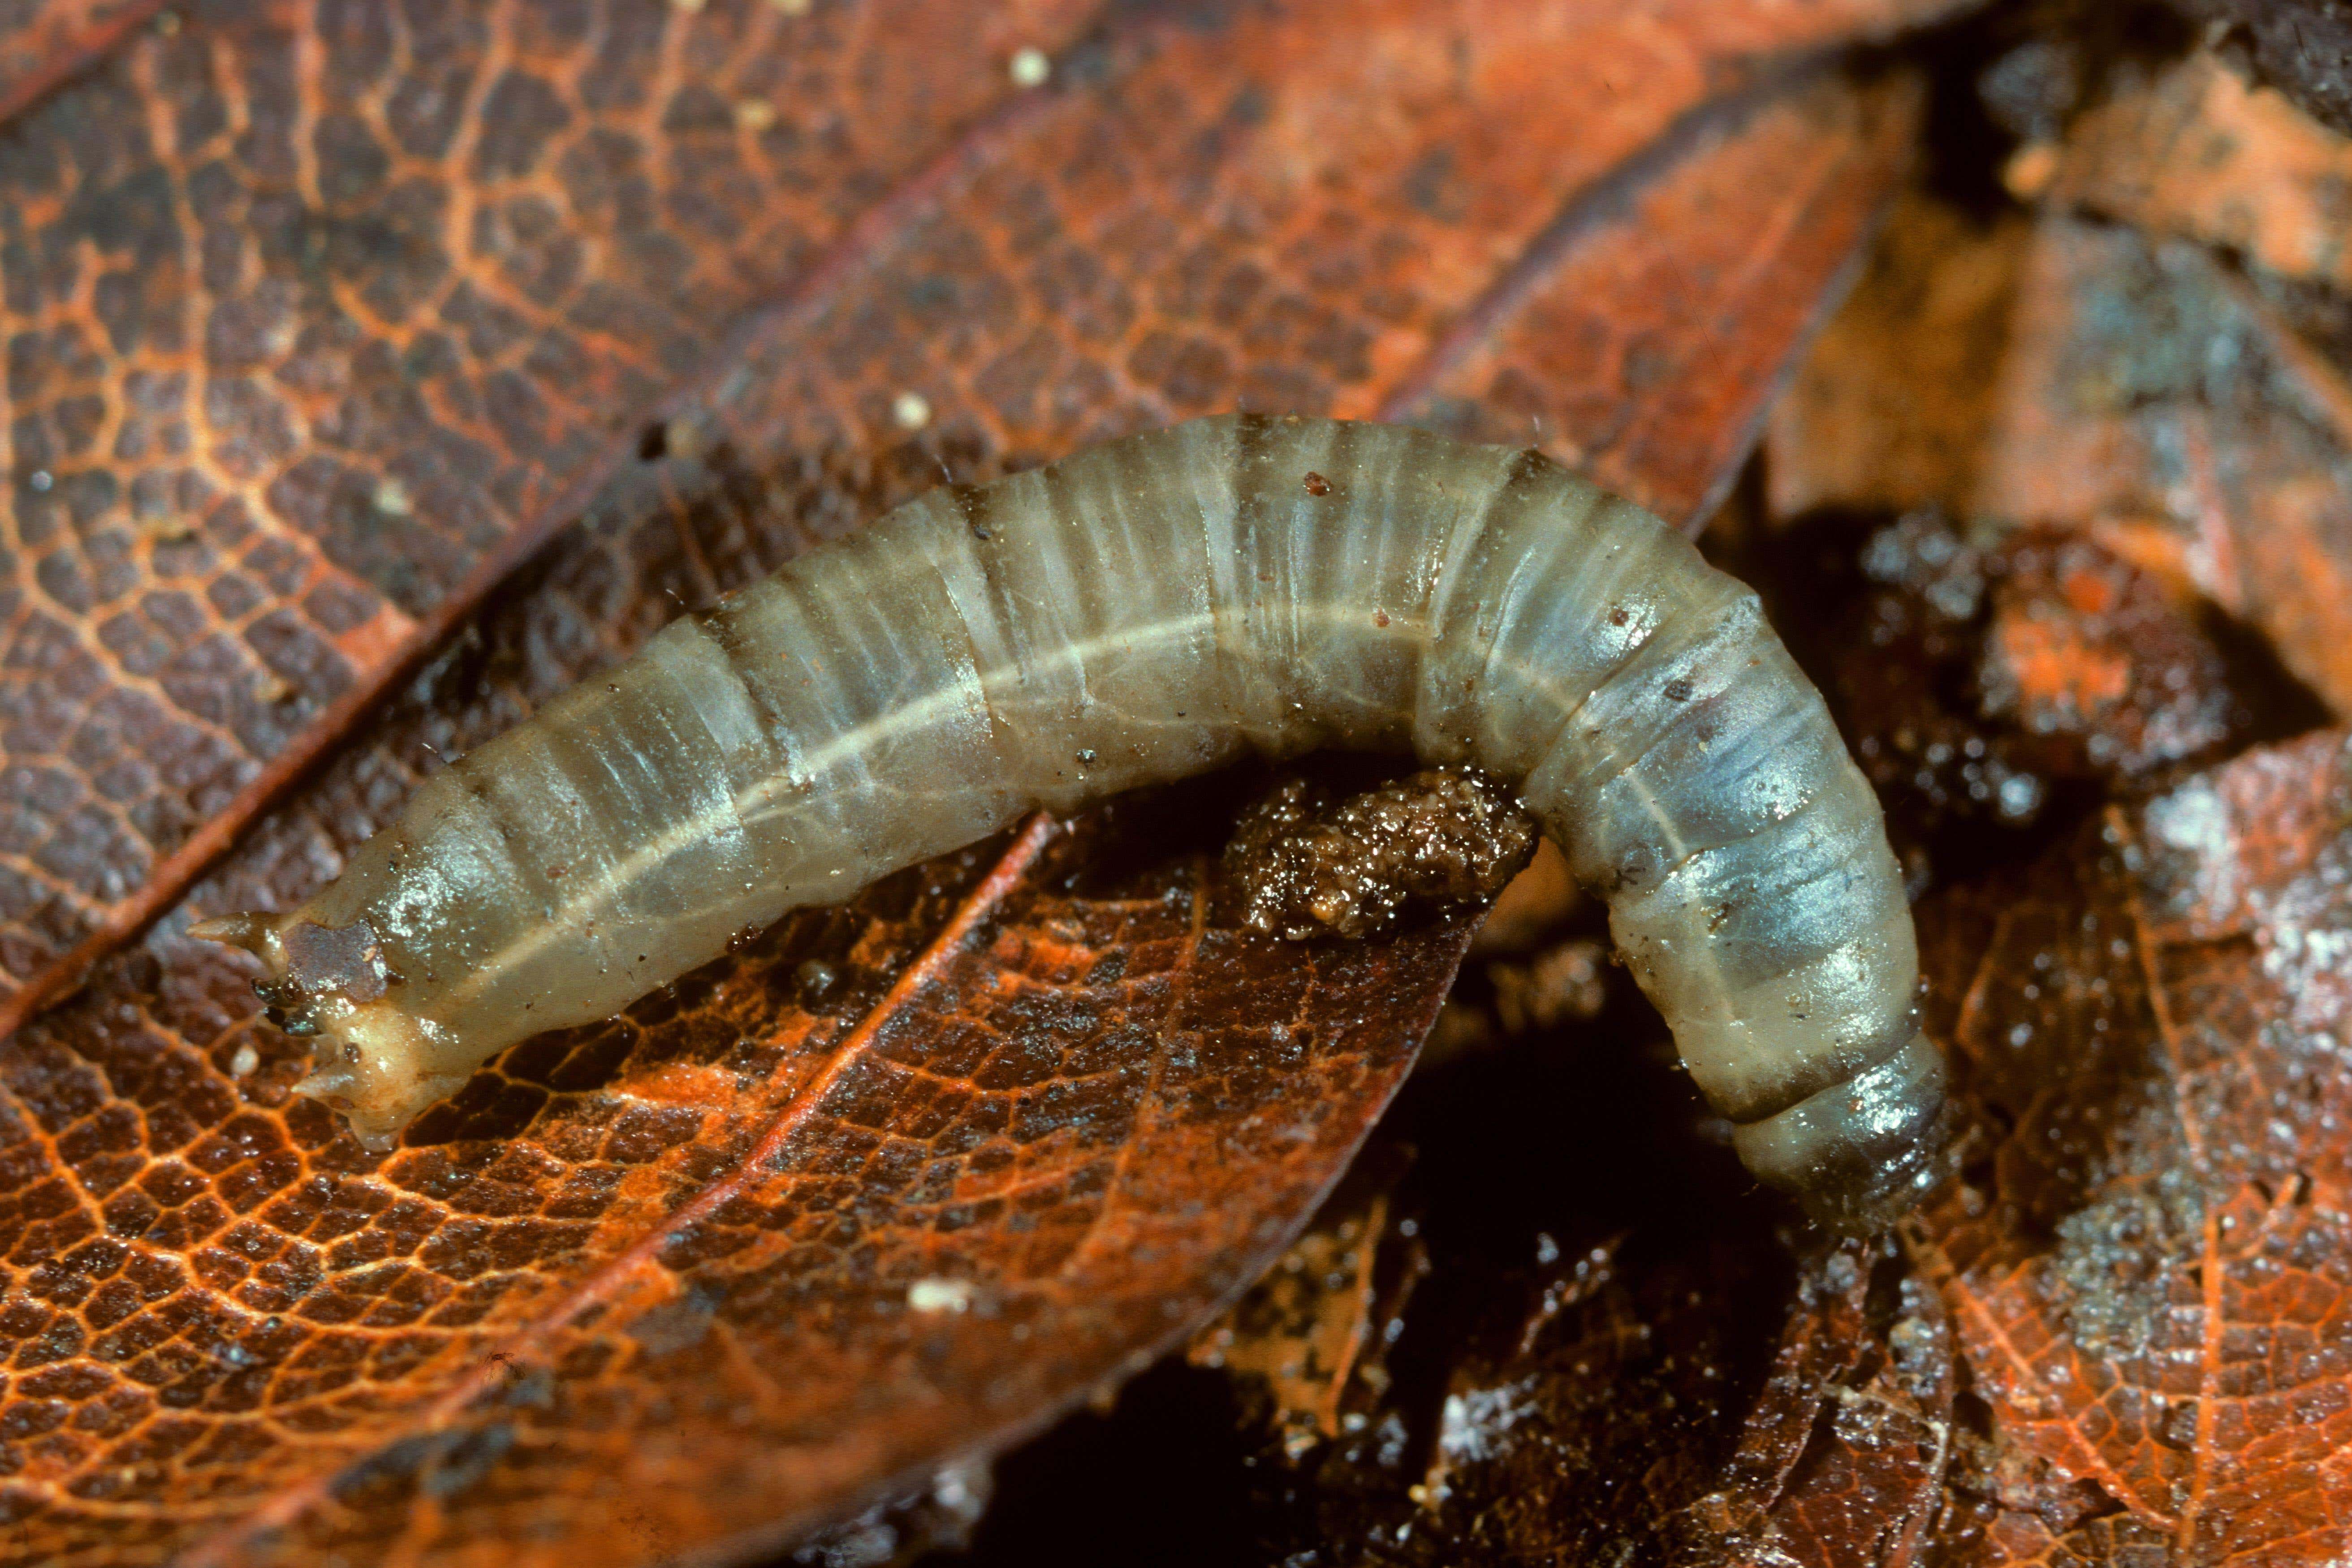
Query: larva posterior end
[[1860, 1154], [327, 1083], [340, 1088], [250, 930], [377, 1137], [379, 1067], [372, 1061], [375, 1131]]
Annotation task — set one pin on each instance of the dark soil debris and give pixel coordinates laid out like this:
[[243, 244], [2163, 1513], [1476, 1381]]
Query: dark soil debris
[[1307, 864]]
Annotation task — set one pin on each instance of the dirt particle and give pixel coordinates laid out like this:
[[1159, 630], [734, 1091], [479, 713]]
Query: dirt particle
[[816, 979], [1566, 983], [1307, 864]]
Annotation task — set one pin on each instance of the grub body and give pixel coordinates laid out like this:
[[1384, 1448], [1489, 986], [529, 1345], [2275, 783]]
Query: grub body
[[1140, 612]]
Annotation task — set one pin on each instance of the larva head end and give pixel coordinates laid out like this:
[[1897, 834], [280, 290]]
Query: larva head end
[[1862, 1154]]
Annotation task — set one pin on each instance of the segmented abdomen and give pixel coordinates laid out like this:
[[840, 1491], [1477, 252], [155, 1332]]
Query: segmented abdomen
[[1140, 612]]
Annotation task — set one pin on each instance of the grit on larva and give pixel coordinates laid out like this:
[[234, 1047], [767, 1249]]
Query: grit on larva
[[1164, 604]]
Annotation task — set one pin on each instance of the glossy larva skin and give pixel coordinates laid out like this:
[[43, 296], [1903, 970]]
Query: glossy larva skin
[[1143, 611]]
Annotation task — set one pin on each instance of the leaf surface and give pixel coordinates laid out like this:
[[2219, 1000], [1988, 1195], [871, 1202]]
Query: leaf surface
[[45, 42]]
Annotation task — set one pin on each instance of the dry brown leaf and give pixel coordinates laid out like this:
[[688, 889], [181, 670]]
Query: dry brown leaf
[[2130, 388], [2194, 151], [2305, 47], [45, 42], [2146, 1264], [1895, 403]]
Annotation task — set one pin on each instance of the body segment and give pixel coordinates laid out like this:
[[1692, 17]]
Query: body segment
[[1143, 611]]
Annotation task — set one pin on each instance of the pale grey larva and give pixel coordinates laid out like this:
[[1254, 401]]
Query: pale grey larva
[[1158, 606]]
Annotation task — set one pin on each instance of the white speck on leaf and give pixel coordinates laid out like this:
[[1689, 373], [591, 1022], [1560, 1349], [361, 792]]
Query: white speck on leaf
[[939, 1295]]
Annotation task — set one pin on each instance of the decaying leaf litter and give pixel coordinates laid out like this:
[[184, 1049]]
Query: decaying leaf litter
[[507, 1331]]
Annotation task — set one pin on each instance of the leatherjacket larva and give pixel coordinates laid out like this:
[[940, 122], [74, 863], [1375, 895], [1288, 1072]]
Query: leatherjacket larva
[[1145, 610]]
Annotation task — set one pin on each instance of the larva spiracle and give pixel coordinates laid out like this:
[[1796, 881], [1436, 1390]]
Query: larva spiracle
[[1142, 611]]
